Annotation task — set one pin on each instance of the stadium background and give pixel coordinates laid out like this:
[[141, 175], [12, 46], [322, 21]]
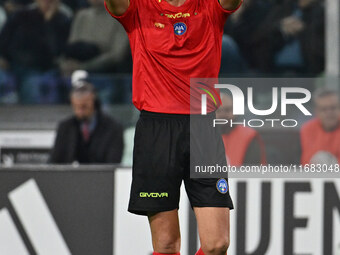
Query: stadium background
[[269, 218]]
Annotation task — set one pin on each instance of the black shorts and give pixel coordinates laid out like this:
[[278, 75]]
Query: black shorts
[[161, 161]]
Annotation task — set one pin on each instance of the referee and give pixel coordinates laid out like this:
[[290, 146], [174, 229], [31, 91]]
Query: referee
[[172, 41]]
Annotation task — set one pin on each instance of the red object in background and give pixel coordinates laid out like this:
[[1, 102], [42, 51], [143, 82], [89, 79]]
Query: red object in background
[[315, 139], [236, 144], [199, 252], [85, 131]]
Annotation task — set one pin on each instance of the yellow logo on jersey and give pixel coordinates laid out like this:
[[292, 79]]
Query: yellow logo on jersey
[[159, 25], [178, 15]]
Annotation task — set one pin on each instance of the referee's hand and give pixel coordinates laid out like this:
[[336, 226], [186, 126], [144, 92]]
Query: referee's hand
[[292, 26]]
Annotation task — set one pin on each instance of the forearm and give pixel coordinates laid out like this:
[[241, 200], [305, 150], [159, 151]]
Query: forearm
[[230, 5]]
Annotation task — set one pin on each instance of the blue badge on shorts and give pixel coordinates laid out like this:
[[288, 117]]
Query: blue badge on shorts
[[222, 186], [180, 28]]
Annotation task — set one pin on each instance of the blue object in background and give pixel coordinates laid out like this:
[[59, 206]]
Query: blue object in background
[[232, 61], [40, 89], [8, 89]]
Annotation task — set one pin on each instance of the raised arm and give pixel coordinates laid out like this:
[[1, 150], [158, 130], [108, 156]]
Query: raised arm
[[230, 5], [117, 7]]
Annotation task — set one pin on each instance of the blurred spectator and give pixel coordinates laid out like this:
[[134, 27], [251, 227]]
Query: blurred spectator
[[13, 6], [291, 38], [97, 43], [232, 61], [33, 38], [320, 137], [75, 5], [243, 25], [62, 8], [243, 145], [89, 136]]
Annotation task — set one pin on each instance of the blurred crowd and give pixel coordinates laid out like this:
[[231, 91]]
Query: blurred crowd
[[43, 41], [277, 37], [318, 141]]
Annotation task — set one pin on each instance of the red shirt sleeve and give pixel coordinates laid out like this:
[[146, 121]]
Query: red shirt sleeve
[[129, 16]]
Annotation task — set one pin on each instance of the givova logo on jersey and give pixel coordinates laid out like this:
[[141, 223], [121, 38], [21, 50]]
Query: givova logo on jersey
[[180, 28]]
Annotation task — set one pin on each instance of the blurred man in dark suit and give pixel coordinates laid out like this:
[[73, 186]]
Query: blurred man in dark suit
[[90, 136]]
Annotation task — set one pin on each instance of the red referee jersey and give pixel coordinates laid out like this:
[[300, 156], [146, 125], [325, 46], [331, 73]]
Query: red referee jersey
[[169, 46]]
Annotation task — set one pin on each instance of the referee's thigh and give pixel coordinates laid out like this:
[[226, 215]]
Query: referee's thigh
[[165, 231], [213, 228]]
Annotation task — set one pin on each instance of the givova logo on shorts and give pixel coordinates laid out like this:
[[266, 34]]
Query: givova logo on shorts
[[153, 194]]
